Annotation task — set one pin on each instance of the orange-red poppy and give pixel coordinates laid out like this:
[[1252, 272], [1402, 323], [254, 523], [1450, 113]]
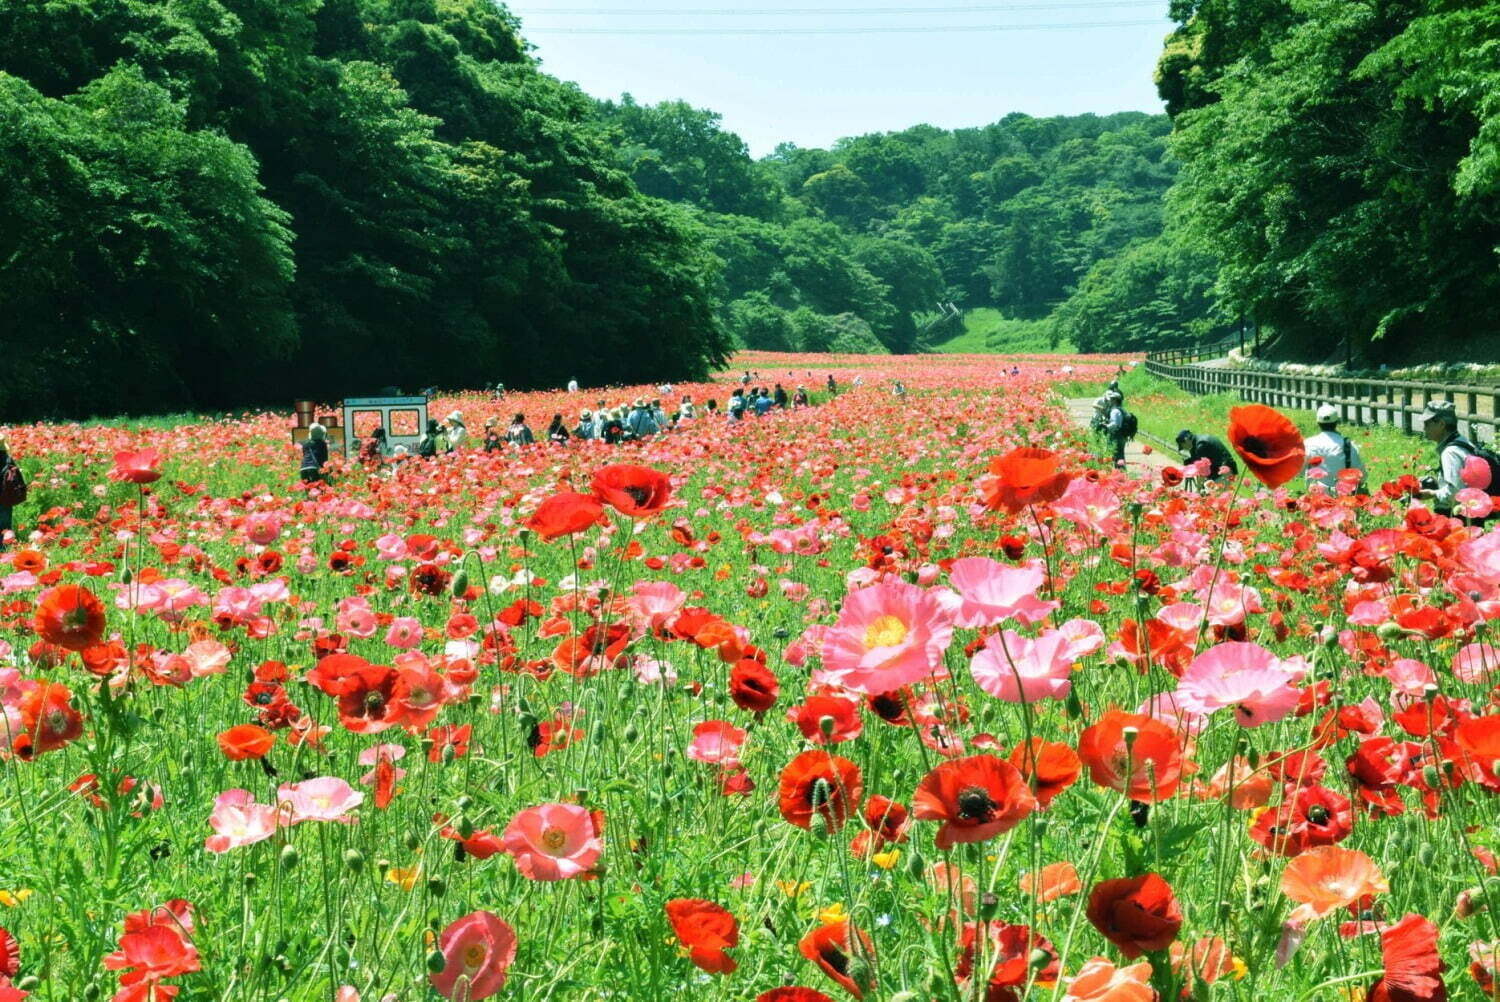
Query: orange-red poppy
[[1050, 766], [842, 952], [1268, 442], [1137, 914], [70, 616], [706, 930], [817, 783], [1138, 755], [564, 514], [1024, 477], [632, 490], [1413, 968], [976, 798], [245, 741], [1056, 880], [1329, 877]]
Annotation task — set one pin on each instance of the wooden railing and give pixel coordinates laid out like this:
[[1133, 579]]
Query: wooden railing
[[1360, 401], [1196, 353]]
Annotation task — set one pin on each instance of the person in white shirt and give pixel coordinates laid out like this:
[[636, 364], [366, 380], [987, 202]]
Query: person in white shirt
[[1329, 452], [572, 386]]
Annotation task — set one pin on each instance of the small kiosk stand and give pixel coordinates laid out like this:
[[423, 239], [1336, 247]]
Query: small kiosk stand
[[403, 418]]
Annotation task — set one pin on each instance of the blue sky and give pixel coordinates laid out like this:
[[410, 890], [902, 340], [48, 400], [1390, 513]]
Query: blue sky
[[866, 69]]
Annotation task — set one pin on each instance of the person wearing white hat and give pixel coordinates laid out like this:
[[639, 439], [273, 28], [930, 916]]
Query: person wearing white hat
[[456, 429], [1329, 452]]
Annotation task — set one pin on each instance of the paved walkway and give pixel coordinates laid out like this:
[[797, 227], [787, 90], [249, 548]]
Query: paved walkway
[[1138, 461]]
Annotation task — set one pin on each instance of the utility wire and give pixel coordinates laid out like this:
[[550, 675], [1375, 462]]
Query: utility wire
[[863, 30], [827, 11]]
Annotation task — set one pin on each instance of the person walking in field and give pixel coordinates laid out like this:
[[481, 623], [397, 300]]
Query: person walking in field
[[1195, 447], [12, 492], [1117, 429], [1330, 453], [314, 454]]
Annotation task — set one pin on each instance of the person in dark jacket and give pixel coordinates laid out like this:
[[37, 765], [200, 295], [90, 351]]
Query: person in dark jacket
[[375, 449], [12, 491], [1220, 459], [314, 454], [780, 397], [614, 429], [557, 432]]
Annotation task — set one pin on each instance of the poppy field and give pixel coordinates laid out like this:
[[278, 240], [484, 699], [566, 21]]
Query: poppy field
[[890, 698]]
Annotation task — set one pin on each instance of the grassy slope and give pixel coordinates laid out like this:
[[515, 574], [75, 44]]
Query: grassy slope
[[986, 330]]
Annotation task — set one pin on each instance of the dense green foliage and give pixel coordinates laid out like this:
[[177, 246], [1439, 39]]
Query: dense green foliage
[[1342, 158], [886, 228], [223, 201]]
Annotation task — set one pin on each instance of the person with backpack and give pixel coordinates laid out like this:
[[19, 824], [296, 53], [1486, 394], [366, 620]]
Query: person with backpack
[[12, 491], [519, 433], [428, 446], [1119, 428], [557, 432], [1440, 426], [642, 422], [1329, 453], [1197, 447], [314, 454]]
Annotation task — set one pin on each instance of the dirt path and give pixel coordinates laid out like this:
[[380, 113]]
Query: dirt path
[[1138, 461]]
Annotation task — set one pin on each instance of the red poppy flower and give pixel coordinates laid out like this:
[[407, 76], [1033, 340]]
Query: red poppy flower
[[367, 702], [69, 616], [816, 782], [1479, 741], [886, 818], [842, 952], [1268, 442], [1146, 767], [1171, 476], [1013, 948], [707, 930], [753, 686], [1137, 914], [632, 490], [48, 720], [1310, 816], [564, 514], [792, 993], [1413, 968], [245, 741], [136, 467], [976, 798], [1024, 477], [1050, 766], [10, 955]]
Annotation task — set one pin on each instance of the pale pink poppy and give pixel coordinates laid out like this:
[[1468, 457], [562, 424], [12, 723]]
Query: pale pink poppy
[[405, 633], [1475, 663], [990, 592], [1472, 502], [1092, 506], [1230, 603], [553, 841], [1084, 637], [888, 635], [1245, 676], [263, 528], [650, 671], [478, 950], [716, 742], [656, 603], [237, 820], [1184, 616], [1409, 676], [326, 798], [375, 754], [390, 547], [1019, 669]]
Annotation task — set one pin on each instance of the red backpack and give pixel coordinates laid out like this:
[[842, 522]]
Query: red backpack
[[12, 486]]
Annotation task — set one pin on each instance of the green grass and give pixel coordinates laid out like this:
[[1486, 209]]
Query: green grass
[[988, 331], [1163, 410]]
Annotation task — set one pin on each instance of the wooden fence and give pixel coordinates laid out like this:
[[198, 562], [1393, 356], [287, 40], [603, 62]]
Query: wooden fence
[[1360, 401]]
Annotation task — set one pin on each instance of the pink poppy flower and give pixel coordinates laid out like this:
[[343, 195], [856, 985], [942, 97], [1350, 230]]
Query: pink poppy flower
[[207, 657], [887, 636], [390, 547], [716, 742], [1475, 663], [1084, 637], [991, 592], [1476, 473], [656, 603], [1471, 502], [405, 633], [1245, 676], [1019, 669], [142, 467], [263, 528], [553, 842], [237, 820], [326, 798], [1092, 506], [478, 950]]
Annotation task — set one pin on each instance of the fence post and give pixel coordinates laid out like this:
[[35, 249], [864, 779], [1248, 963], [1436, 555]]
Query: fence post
[[1406, 410]]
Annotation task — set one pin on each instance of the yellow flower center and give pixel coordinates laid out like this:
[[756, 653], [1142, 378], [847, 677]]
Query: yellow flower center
[[474, 956], [553, 839], [887, 631]]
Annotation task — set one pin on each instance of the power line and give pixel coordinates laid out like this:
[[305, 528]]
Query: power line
[[863, 30], [835, 11]]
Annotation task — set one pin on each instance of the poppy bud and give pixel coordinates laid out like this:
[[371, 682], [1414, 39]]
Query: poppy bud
[[459, 586], [915, 865], [464, 802], [1469, 902], [632, 734], [436, 887], [1426, 855], [413, 841], [1039, 824], [1075, 706], [1388, 631], [289, 857], [354, 859], [859, 970], [436, 962], [250, 878], [125, 575], [988, 905], [465, 826], [826, 724], [1039, 959], [1431, 777], [818, 825], [90, 991]]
